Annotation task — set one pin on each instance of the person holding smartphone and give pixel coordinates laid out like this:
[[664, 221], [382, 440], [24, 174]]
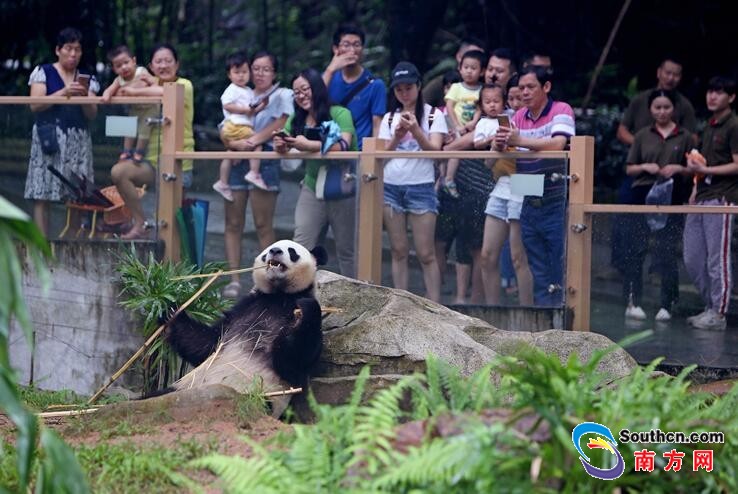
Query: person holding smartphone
[[60, 137], [409, 193], [312, 108], [503, 206]]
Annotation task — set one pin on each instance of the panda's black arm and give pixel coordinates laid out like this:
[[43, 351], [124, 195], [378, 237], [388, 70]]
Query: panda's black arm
[[296, 348], [192, 340]]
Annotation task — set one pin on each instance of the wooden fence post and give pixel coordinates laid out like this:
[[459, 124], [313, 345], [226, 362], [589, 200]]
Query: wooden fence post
[[369, 223], [579, 232], [170, 170]]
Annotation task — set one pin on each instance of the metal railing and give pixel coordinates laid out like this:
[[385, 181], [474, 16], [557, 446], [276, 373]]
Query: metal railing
[[370, 204]]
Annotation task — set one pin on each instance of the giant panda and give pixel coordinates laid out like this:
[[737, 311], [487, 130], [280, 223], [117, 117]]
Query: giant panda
[[261, 335]]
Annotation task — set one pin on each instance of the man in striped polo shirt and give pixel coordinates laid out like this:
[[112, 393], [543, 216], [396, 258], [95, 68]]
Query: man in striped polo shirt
[[542, 125], [707, 236]]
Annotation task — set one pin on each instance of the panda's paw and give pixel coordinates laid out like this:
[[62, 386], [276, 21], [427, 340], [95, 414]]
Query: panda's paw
[[310, 309], [167, 316]]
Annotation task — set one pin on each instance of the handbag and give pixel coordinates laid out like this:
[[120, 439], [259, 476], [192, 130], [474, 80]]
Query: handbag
[[336, 181], [290, 164], [660, 194], [47, 138]]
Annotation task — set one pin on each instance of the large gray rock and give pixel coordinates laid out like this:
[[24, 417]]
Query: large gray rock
[[394, 331]]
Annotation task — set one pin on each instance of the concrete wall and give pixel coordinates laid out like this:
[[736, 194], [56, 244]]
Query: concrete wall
[[516, 318], [81, 335]]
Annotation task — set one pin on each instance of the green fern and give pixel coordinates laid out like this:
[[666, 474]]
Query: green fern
[[375, 427], [350, 448]]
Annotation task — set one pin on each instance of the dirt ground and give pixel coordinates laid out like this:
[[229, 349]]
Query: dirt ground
[[217, 421]]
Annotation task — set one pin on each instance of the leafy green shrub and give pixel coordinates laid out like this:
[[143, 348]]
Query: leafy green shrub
[[350, 448], [609, 169], [151, 289], [39, 457]]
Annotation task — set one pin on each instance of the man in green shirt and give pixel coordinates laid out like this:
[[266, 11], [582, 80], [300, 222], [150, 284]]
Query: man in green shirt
[[707, 236], [638, 114]]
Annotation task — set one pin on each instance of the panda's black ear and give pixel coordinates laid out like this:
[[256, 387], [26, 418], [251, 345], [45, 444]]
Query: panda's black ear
[[320, 255]]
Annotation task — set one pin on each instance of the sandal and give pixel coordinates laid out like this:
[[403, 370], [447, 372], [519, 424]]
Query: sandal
[[126, 154], [138, 156], [135, 233], [232, 290], [450, 188]]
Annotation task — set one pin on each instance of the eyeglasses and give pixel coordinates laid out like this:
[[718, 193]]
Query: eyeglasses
[[305, 91], [346, 45], [71, 48], [262, 70]]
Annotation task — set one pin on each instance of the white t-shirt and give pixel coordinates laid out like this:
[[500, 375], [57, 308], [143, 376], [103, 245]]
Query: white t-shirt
[[486, 128], [136, 76], [411, 171], [241, 96]]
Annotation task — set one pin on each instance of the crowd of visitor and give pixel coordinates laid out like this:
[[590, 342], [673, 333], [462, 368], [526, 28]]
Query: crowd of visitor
[[488, 103]]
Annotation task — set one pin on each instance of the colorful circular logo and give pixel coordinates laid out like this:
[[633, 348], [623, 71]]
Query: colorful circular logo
[[605, 441]]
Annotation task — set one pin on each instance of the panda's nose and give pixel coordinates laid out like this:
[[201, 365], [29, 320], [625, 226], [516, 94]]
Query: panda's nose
[[275, 251]]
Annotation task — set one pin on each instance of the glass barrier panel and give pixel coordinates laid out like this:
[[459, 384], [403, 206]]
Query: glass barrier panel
[[238, 230], [468, 236], [640, 282], [78, 200]]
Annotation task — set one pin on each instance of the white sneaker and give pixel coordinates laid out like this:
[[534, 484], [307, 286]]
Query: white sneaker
[[663, 315], [635, 312], [692, 319], [712, 320]]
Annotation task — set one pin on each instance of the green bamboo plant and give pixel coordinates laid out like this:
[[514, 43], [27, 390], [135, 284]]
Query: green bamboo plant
[[43, 460], [151, 290]]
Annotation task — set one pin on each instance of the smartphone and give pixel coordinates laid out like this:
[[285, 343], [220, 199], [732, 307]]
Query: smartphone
[[84, 80], [503, 120], [313, 133], [281, 133]]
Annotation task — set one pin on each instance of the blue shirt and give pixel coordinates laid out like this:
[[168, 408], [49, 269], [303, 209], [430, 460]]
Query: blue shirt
[[370, 101]]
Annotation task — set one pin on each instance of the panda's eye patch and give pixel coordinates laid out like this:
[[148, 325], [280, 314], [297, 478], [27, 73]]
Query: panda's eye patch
[[294, 256], [264, 258]]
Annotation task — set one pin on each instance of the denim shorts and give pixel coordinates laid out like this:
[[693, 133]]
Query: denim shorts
[[414, 199], [503, 209], [269, 170]]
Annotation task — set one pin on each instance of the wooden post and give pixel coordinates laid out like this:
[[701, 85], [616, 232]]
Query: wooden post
[[369, 224], [170, 170], [579, 232]]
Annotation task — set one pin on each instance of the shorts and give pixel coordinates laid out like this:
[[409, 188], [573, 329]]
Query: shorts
[[269, 170], [503, 209], [235, 132], [413, 199]]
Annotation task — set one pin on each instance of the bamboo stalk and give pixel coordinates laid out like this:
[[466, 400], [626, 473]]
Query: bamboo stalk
[[219, 273], [324, 310], [52, 407], [67, 413], [291, 391], [152, 338], [603, 55]]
